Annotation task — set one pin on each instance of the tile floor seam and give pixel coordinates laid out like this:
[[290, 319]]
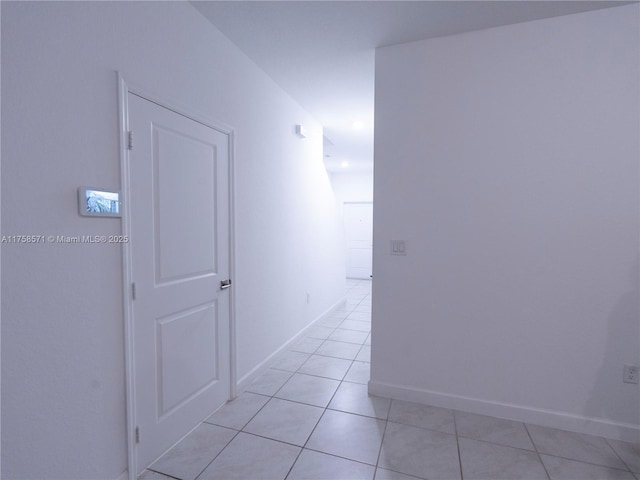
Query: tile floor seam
[[327, 378], [360, 350], [304, 447], [282, 386], [333, 396], [318, 422], [254, 415], [388, 408], [352, 330], [355, 383], [356, 414], [310, 375], [222, 426], [348, 343], [301, 403], [313, 430], [343, 341], [587, 463], [294, 463], [338, 456], [217, 455], [546, 472], [164, 474], [331, 356], [573, 459], [428, 429], [535, 447], [343, 458], [455, 430], [270, 438], [298, 402], [384, 432], [497, 444], [619, 456]]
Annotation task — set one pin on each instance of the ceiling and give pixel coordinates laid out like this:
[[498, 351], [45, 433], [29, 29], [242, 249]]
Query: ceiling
[[323, 52]]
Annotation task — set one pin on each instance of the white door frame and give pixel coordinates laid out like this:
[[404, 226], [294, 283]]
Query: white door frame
[[123, 120]]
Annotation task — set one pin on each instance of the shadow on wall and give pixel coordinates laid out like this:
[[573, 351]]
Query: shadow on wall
[[623, 322]]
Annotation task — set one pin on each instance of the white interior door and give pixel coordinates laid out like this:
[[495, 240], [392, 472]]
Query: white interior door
[[358, 223], [179, 194]]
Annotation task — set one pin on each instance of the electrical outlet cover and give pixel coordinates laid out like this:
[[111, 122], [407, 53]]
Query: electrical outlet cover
[[630, 374]]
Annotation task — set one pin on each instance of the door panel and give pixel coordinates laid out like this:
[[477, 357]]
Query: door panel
[[358, 222], [182, 189], [186, 362], [179, 205]]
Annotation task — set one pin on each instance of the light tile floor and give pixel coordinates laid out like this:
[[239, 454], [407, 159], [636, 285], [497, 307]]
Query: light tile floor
[[310, 417]]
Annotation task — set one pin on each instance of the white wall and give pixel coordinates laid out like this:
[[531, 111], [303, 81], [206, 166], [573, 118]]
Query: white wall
[[63, 404], [352, 187], [508, 160]]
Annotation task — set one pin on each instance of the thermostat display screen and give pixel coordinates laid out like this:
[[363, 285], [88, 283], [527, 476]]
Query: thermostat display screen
[[97, 202]]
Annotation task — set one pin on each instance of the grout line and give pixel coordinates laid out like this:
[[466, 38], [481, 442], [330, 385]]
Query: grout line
[[618, 455], [535, 447], [425, 428], [300, 403], [341, 457], [320, 376], [455, 429], [357, 415], [164, 474], [384, 432], [339, 358], [386, 424], [283, 383], [272, 439], [314, 429], [400, 473], [252, 417], [573, 459], [344, 341], [294, 463], [218, 454], [498, 444], [587, 463]]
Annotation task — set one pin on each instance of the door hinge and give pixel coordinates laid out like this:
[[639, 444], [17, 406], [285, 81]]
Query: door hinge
[[130, 140], [137, 434], [133, 291]]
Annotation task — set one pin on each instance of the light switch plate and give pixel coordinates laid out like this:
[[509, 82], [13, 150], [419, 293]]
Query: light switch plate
[[398, 247]]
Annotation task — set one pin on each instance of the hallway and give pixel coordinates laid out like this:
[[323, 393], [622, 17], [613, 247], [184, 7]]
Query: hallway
[[310, 417]]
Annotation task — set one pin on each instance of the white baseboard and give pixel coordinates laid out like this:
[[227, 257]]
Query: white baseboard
[[250, 377], [547, 418]]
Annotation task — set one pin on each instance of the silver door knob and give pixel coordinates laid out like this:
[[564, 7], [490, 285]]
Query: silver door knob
[[225, 284]]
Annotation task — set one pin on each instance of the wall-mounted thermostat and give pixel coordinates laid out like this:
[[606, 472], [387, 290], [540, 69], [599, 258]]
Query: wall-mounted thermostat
[[99, 202]]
